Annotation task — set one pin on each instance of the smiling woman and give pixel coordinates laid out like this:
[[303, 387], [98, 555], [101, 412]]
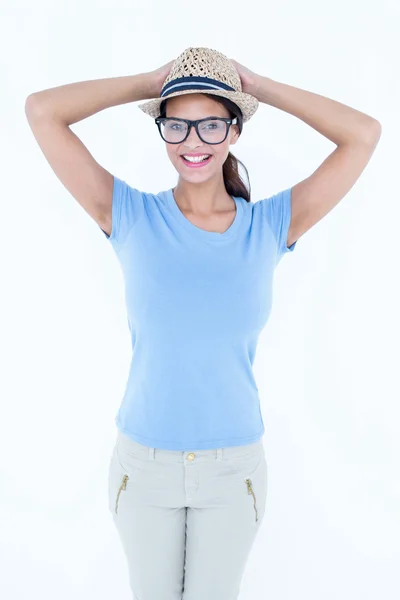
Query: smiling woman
[[188, 480]]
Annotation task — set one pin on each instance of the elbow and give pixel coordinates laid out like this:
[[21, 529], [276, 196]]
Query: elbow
[[33, 106], [374, 132]]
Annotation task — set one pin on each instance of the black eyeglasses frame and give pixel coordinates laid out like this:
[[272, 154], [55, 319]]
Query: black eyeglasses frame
[[190, 124]]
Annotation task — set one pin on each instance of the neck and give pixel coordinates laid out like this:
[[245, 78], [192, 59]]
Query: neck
[[202, 198]]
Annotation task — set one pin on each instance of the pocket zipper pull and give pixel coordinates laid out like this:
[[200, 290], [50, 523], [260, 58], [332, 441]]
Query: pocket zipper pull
[[122, 487], [251, 491]]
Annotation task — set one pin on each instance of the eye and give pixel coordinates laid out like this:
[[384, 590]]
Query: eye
[[174, 125]]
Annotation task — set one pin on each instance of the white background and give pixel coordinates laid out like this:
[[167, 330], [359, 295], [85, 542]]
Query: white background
[[327, 360]]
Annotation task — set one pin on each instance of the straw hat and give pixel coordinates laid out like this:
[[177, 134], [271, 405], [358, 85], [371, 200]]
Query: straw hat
[[205, 70]]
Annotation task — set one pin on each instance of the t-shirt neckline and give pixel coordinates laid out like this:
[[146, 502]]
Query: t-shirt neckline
[[214, 236]]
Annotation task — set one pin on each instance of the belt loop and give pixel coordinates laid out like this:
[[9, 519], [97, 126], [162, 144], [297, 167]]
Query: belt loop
[[219, 453], [151, 453]]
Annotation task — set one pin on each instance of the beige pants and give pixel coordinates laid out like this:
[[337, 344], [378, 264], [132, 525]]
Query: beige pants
[[187, 520]]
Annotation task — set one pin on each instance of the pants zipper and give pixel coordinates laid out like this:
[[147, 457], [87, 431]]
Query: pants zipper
[[122, 487], [251, 491]]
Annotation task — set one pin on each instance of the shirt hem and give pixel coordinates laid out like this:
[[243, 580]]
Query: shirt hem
[[173, 445]]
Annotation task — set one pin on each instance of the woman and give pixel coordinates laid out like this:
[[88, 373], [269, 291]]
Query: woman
[[188, 473]]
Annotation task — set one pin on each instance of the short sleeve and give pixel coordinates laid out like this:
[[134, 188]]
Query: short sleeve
[[127, 208], [278, 211]]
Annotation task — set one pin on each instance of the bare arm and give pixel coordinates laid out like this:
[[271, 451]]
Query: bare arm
[[73, 102], [51, 111]]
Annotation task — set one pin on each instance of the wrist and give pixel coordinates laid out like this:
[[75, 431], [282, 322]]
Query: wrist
[[154, 84], [260, 86]]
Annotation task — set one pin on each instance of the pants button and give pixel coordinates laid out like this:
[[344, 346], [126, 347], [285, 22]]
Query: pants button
[[190, 456]]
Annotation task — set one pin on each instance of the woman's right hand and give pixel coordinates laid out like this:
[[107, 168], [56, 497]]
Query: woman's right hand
[[158, 76]]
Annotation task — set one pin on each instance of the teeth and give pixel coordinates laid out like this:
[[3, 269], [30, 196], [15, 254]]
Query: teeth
[[196, 158]]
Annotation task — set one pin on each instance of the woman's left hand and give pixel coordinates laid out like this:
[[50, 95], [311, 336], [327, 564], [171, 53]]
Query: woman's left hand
[[248, 78]]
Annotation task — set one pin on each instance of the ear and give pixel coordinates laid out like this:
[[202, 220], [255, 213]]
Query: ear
[[234, 133]]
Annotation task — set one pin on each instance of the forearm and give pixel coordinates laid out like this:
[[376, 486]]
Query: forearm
[[76, 101], [337, 122]]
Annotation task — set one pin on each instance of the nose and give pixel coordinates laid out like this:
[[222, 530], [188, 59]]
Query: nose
[[193, 138]]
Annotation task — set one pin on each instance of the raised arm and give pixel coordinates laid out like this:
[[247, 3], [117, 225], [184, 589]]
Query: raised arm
[[51, 112]]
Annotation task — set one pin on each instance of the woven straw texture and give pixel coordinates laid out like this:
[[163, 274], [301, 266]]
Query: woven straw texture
[[209, 64]]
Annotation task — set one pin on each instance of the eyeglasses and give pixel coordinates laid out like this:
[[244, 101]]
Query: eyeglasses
[[210, 130]]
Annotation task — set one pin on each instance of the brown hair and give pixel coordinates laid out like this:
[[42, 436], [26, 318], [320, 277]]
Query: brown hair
[[233, 182]]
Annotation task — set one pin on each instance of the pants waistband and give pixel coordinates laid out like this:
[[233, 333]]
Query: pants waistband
[[148, 452]]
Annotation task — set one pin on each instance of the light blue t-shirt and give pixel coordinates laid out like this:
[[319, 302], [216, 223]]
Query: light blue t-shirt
[[196, 303]]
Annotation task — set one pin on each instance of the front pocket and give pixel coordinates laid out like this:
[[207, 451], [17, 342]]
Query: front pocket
[[248, 465], [255, 480], [122, 487], [250, 491], [120, 479]]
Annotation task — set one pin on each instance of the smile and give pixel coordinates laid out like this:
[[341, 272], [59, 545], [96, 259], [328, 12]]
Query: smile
[[196, 165]]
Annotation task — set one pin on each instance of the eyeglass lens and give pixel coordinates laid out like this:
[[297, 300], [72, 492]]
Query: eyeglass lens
[[211, 131]]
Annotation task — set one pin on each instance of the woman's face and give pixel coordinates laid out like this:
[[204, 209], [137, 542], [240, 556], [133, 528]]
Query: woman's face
[[198, 106]]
